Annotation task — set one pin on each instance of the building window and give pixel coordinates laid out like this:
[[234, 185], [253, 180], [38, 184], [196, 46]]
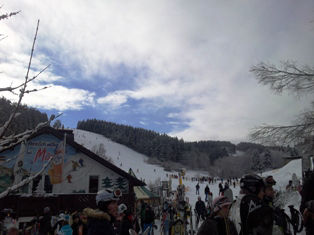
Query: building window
[[93, 184], [47, 184]]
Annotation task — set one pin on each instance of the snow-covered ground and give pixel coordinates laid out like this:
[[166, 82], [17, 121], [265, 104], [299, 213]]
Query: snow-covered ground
[[126, 158]]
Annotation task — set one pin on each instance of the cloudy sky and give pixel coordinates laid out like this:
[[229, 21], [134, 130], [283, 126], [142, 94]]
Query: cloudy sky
[[176, 67]]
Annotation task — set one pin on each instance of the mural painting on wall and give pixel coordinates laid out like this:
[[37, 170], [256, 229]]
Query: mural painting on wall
[[119, 182], [29, 157]]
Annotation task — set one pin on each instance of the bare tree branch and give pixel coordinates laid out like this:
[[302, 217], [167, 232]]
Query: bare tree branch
[[293, 78], [296, 133], [10, 141], [3, 37], [5, 127], [8, 15], [11, 89], [287, 77]]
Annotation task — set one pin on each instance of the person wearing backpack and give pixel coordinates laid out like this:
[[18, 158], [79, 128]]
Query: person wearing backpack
[[249, 213], [149, 218], [307, 202], [218, 223], [282, 223]]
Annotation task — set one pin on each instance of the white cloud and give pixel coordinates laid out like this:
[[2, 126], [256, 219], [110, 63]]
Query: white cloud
[[114, 99], [196, 54]]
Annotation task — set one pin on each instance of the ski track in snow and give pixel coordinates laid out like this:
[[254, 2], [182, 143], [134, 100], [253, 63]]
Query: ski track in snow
[[151, 173]]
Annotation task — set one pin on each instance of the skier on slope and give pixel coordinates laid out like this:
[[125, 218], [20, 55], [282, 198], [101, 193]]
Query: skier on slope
[[218, 223], [255, 216]]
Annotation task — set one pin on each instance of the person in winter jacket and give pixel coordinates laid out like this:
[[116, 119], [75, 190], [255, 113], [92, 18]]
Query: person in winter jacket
[[149, 218], [127, 223], [281, 221], [65, 227], [255, 216], [197, 189], [307, 202], [45, 222], [218, 223], [75, 224], [207, 191], [200, 210], [228, 192], [100, 221], [221, 189]]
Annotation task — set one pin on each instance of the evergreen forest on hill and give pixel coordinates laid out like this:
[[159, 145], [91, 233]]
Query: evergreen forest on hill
[[29, 118], [160, 146]]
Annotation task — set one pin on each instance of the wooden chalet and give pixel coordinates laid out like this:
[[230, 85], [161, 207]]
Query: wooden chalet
[[71, 180]]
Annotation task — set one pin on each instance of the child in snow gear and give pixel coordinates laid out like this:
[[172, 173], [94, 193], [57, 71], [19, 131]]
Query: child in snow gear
[[255, 216], [218, 223], [100, 221], [65, 227]]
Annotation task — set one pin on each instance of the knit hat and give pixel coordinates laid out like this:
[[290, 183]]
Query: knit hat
[[220, 202]]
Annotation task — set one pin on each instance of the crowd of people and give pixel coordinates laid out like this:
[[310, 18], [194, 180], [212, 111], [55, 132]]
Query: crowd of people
[[252, 212], [108, 218]]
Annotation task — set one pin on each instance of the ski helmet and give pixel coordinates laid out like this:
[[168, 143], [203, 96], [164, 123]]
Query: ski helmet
[[252, 183]]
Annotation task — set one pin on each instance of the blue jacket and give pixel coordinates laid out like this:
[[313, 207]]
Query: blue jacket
[[65, 230]]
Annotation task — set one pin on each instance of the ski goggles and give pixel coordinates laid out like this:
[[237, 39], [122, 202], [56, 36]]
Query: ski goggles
[[269, 181], [108, 195]]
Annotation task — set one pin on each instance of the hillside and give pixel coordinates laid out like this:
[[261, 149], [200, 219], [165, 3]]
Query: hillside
[[202, 155], [127, 158]]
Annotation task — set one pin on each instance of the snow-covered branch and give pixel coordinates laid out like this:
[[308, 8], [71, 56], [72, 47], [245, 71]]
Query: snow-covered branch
[[10, 141]]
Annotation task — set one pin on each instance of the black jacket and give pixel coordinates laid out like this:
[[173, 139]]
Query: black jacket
[[45, 225], [149, 216], [126, 224], [206, 190], [99, 222], [256, 217], [200, 207]]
